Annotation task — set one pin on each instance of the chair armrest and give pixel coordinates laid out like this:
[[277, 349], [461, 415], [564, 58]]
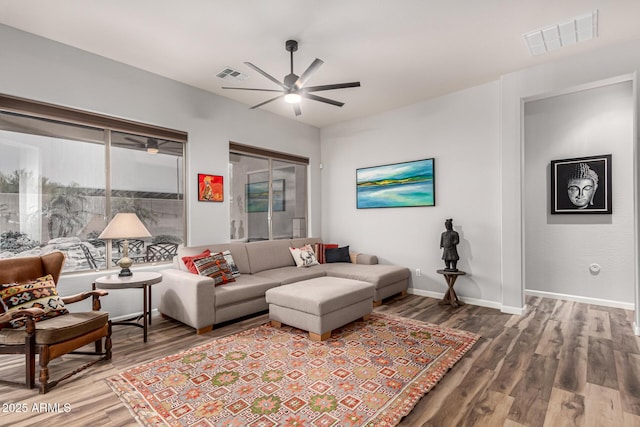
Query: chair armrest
[[25, 312], [83, 296], [29, 313], [358, 258]]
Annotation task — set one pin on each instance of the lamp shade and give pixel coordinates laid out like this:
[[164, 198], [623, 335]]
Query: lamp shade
[[125, 226]]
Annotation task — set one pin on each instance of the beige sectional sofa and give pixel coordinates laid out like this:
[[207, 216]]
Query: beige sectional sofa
[[195, 301]]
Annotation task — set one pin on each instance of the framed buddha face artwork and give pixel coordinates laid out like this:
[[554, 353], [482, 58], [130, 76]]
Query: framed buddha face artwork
[[210, 188], [581, 185]]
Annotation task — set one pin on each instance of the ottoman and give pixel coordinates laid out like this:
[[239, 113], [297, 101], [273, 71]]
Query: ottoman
[[320, 305]]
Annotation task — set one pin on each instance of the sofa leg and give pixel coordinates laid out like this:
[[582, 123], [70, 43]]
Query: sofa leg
[[366, 317], [377, 303], [276, 324], [317, 337], [204, 330]]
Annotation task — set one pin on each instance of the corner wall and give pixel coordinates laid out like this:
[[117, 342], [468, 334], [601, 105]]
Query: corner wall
[[461, 132]]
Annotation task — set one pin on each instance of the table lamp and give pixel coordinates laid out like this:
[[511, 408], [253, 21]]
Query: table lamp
[[125, 226]]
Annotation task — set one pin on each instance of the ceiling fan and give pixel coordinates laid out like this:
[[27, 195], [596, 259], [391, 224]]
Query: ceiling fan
[[292, 88]]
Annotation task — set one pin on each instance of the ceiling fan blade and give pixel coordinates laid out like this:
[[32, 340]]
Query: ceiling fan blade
[[321, 99], [267, 75], [308, 73], [137, 141], [249, 88], [267, 101], [296, 109], [330, 87]]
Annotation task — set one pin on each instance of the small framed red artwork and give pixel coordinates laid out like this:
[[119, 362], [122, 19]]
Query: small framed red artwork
[[210, 188]]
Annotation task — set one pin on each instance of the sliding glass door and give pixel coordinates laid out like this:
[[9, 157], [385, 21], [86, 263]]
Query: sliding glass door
[[268, 197]]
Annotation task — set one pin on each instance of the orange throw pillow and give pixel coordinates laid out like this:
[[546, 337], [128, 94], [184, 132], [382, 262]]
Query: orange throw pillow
[[188, 260]]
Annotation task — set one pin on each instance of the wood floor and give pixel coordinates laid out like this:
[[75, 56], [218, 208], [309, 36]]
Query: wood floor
[[561, 364]]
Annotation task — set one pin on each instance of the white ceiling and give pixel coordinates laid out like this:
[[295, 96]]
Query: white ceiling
[[402, 51]]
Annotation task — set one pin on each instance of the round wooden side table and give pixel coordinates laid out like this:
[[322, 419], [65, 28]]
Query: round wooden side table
[[450, 296], [142, 279]]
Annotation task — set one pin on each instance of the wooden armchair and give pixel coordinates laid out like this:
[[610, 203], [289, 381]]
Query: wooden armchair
[[56, 336]]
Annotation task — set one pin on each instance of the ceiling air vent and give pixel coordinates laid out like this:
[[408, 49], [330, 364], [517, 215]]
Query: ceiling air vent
[[229, 73], [576, 30]]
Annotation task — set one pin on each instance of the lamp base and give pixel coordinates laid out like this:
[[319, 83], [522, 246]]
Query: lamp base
[[125, 272]]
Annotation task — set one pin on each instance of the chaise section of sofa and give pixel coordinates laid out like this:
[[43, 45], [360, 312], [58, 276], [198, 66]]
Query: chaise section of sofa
[[195, 301]]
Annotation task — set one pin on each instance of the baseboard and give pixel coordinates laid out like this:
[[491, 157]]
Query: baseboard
[[132, 315], [472, 301], [518, 311], [585, 300]]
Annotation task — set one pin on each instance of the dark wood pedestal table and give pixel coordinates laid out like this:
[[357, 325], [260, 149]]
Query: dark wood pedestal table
[[144, 280], [450, 296]]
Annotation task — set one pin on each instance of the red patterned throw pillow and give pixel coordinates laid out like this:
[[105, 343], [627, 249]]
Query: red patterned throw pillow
[[188, 260], [39, 293], [215, 267]]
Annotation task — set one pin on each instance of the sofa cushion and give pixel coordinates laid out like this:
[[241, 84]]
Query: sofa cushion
[[299, 242], [237, 250], [269, 254], [379, 275], [216, 267], [228, 256], [189, 260], [286, 275], [337, 254], [304, 256], [245, 288]]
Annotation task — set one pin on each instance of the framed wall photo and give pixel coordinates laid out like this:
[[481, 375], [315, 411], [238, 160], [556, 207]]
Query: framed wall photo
[[396, 185], [210, 188], [581, 185]]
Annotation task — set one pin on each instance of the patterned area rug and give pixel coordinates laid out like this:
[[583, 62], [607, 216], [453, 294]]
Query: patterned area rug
[[368, 373]]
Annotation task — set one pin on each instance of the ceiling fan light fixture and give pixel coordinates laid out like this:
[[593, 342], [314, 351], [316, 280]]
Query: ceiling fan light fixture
[[292, 98], [152, 146]]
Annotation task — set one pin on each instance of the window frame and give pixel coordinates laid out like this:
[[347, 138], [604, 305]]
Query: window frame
[[107, 124]]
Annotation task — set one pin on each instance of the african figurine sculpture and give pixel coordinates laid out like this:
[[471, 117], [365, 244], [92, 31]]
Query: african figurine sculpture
[[448, 241]]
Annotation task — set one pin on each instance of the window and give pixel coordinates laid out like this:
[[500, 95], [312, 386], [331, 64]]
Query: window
[[268, 194], [60, 182]]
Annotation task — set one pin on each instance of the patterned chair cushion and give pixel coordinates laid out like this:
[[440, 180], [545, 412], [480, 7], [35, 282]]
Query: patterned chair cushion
[[39, 293]]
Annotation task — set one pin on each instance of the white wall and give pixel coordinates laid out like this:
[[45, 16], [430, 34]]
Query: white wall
[[560, 248], [460, 131], [39, 69]]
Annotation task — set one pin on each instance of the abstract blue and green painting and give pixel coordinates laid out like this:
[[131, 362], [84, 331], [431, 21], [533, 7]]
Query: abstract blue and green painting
[[396, 185]]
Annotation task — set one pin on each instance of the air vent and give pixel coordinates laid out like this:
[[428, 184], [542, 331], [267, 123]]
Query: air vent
[[576, 30], [229, 73]]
